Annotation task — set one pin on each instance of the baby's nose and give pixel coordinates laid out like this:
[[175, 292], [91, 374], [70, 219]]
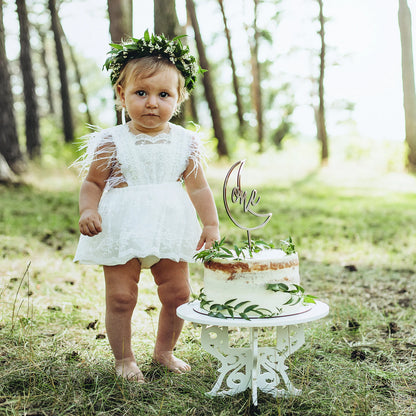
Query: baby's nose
[[151, 101]]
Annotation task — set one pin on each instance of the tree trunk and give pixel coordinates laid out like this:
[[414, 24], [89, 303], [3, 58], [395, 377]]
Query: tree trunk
[[82, 92], [120, 14], [238, 100], [44, 59], [209, 90], [165, 19], [191, 103], [255, 86], [320, 111], [33, 144], [166, 22], [9, 142], [408, 79], [65, 97]]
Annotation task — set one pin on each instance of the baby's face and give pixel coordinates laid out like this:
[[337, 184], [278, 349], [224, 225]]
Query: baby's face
[[151, 101]]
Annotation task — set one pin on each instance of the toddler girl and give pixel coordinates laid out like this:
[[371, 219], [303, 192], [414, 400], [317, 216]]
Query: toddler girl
[[134, 211]]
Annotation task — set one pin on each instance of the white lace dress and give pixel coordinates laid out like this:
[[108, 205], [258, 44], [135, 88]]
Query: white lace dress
[[152, 217]]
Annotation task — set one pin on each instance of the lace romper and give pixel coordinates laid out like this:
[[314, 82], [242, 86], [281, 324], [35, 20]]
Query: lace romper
[[152, 217]]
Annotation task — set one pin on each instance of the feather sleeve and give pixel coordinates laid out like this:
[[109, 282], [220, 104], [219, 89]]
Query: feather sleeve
[[197, 153], [99, 146]]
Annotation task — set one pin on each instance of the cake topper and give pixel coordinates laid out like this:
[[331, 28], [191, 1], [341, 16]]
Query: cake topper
[[240, 196]]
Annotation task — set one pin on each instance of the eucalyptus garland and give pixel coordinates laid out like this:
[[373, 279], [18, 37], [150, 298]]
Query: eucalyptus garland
[[232, 309], [153, 45]]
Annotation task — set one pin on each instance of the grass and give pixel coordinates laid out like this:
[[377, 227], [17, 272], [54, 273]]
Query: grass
[[353, 227]]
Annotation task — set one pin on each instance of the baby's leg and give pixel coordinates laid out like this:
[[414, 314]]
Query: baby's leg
[[173, 289], [121, 298]]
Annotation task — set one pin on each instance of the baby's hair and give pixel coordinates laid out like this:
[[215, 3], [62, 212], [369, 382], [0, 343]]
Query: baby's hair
[[146, 67]]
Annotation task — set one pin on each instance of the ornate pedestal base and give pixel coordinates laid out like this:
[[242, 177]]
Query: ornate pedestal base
[[256, 367]]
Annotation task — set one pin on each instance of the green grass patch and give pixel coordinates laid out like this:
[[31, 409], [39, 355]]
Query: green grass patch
[[353, 229]]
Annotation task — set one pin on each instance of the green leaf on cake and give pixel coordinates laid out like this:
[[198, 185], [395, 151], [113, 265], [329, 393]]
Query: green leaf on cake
[[277, 287], [218, 250], [309, 299], [288, 246], [299, 288], [238, 306], [297, 294], [250, 308]]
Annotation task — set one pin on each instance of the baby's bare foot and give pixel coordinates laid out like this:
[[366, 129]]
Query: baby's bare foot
[[167, 359], [128, 369]]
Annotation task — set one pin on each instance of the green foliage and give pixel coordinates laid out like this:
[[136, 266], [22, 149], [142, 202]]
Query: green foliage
[[231, 309], [154, 45], [288, 246], [297, 293], [219, 251]]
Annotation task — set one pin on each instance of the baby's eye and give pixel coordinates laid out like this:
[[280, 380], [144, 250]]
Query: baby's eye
[[141, 93], [164, 94]]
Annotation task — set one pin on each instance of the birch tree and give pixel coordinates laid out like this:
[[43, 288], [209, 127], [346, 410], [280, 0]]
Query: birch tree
[[256, 78], [320, 109], [408, 79]]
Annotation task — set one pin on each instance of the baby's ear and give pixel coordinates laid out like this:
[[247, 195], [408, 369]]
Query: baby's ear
[[120, 93]]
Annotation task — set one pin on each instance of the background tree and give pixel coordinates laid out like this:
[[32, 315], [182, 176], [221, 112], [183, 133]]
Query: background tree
[[42, 33], [408, 77], [65, 97], [207, 81], [166, 22], [165, 18], [320, 109], [33, 144], [256, 91], [82, 91], [9, 143], [236, 86], [120, 15]]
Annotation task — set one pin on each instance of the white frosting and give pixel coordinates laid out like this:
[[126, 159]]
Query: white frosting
[[246, 280]]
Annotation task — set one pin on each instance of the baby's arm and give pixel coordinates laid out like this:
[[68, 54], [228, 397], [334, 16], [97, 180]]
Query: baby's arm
[[201, 196], [90, 195]]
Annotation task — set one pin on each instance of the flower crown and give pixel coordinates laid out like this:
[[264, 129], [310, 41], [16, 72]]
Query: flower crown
[[153, 45]]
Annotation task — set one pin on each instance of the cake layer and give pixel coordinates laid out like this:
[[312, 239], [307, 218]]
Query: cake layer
[[249, 280]]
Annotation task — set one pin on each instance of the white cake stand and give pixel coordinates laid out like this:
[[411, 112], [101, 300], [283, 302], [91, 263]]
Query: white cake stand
[[255, 367]]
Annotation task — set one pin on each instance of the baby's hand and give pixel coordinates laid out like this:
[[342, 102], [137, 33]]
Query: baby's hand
[[210, 233], [90, 222]]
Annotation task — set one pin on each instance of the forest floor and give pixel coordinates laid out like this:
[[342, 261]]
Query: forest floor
[[353, 225]]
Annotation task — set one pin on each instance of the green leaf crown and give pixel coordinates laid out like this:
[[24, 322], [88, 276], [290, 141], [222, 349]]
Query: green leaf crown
[[153, 45]]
